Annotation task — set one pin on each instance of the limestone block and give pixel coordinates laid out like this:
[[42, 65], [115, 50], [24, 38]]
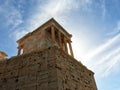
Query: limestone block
[[31, 87], [23, 71], [42, 86], [42, 77]]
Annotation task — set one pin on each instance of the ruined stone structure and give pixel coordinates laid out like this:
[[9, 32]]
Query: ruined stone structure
[[3, 55], [45, 63], [48, 35]]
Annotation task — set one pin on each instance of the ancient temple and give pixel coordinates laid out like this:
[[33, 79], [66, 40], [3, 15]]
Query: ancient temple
[[45, 61], [49, 34]]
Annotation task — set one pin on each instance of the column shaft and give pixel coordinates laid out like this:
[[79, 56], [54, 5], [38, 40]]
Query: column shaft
[[65, 43], [71, 51], [53, 35], [19, 51], [60, 41]]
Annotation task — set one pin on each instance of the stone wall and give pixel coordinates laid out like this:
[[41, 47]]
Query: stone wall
[[50, 69], [72, 75]]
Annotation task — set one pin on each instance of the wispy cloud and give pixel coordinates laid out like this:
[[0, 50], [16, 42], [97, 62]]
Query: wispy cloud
[[106, 64], [104, 46], [12, 16], [103, 6], [116, 29], [108, 56], [103, 59], [59, 9]]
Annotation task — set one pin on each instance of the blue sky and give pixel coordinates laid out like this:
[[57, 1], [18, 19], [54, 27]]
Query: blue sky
[[94, 24]]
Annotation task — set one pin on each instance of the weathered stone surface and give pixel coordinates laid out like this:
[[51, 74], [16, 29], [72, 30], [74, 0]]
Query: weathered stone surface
[[3, 55], [50, 69], [47, 35]]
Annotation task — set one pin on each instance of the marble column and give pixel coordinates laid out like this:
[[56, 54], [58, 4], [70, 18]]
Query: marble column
[[19, 51], [53, 35], [71, 51], [65, 43], [60, 41]]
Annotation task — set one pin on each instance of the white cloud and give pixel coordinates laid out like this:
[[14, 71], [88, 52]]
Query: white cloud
[[104, 58], [107, 64], [116, 30], [118, 25], [52, 8], [112, 63], [103, 6], [10, 14], [59, 9], [109, 55], [19, 34], [104, 46]]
